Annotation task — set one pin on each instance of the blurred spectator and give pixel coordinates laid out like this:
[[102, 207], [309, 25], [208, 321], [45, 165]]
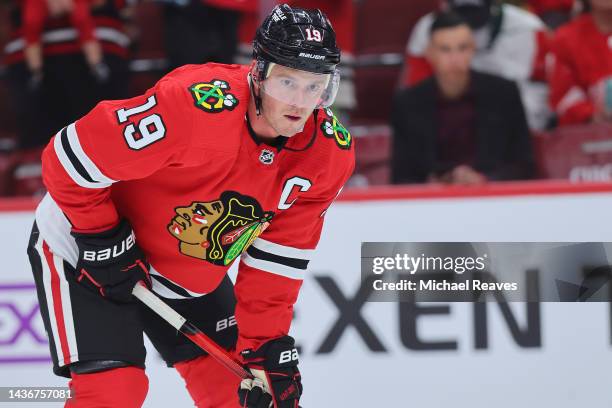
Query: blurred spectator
[[35, 13], [510, 42], [68, 88], [460, 126], [199, 31], [581, 70]]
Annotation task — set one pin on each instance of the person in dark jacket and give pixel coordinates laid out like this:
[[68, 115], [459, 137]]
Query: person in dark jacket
[[460, 126]]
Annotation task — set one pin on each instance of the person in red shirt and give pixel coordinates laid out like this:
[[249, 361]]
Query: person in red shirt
[[580, 75], [215, 164], [35, 14]]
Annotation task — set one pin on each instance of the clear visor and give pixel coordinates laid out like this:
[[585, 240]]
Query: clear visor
[[301, 88]]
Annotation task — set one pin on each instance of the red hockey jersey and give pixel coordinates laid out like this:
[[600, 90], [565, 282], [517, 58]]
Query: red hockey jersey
[[582, 65], [181, 164]]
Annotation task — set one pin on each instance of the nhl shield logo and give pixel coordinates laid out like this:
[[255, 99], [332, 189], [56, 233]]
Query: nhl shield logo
[[266, 156]]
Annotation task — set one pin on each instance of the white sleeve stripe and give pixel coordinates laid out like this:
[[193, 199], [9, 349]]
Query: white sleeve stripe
[[282, 250], [69, 167], [91, 168], [273, 267]]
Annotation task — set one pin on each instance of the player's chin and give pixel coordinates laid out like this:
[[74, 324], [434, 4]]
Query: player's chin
[[291, 128]]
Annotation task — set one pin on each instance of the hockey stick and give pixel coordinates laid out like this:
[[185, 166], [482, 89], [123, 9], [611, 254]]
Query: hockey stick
[[189, 330], [194, 334]]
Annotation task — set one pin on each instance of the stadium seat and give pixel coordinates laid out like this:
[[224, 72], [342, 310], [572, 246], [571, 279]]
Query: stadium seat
[[578, 153], [373, 152]]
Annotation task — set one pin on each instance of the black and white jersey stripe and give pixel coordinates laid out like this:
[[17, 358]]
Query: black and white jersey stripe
[[77, 164], [166, 288], [278, 259]]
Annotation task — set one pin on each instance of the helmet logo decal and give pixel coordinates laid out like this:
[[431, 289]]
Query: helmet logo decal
[[312, 34], [213, 96], [297, 38], [332, 128], [313, 56], [278, 15], [218, 231]]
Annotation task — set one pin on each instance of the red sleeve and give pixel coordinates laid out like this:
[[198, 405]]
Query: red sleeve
[[273, 268], [568, 98], [34, 16], [117, 140], [82, 20]]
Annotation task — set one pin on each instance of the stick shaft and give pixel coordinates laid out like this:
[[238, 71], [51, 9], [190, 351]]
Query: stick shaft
[[189, 330]]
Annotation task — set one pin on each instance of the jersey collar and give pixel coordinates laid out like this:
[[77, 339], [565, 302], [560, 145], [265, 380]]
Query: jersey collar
[[278, 143]]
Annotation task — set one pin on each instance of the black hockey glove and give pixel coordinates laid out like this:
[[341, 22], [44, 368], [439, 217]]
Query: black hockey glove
[[277, 382], [110, 263]]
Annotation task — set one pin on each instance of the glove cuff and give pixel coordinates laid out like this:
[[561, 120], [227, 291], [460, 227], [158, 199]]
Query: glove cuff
[[107, 247], [120, 228], [274, 354]]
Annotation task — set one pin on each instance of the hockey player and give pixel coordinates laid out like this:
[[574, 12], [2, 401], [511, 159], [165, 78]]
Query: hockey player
[[215, 163]]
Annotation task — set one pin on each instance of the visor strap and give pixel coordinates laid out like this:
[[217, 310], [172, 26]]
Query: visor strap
[[256, 97]]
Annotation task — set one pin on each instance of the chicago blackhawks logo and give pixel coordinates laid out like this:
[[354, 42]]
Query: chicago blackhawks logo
[[332, 128], [212, 96], [219, 231]]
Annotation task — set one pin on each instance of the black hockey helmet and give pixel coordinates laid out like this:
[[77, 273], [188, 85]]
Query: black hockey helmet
[[297, 38]]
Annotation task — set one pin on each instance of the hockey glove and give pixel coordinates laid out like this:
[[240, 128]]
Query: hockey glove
[[277, 382], [110, 263]]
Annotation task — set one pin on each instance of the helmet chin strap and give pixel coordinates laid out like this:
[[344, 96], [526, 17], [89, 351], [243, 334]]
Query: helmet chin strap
[[256, 97], [258, 104], [262, 70]]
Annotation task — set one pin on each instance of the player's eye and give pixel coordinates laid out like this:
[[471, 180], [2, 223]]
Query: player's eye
[[287, 83], [312, 88]]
